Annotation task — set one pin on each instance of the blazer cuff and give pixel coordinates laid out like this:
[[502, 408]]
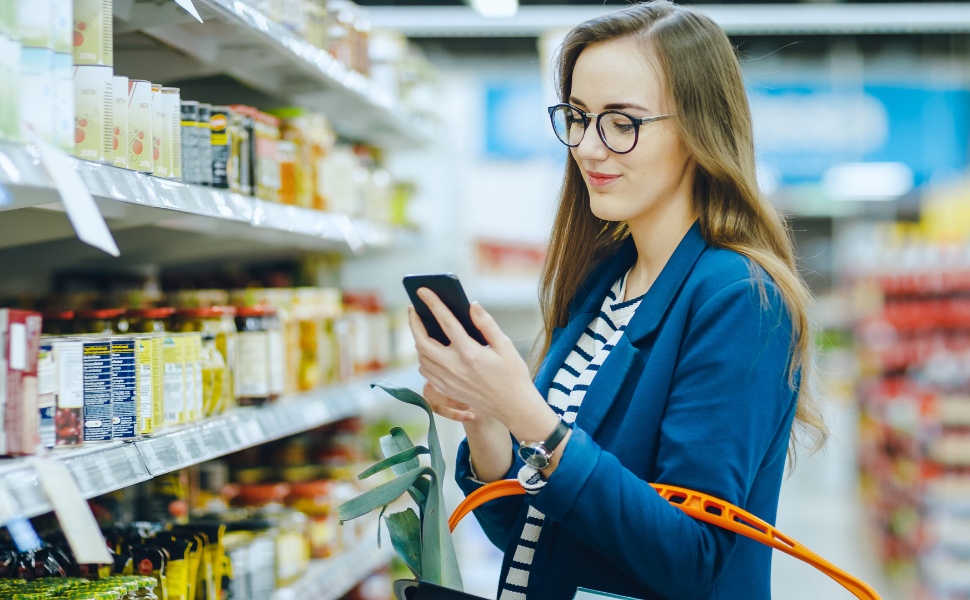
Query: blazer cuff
[[465, 473], [563, 487]]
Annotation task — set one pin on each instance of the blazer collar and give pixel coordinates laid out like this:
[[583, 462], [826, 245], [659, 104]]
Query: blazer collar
[[658, 298], [589, 297]]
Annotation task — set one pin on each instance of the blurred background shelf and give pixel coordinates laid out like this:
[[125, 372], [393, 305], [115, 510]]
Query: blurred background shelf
[[268, 65], [163, 222], [331, 578], [100, 469]]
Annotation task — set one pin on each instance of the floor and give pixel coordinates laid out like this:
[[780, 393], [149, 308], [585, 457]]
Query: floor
[[818, 507]]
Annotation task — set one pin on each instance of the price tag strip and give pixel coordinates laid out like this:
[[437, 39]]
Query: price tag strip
[[72, 510]]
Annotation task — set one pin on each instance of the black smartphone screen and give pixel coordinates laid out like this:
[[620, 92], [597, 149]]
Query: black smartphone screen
[[449, 289]]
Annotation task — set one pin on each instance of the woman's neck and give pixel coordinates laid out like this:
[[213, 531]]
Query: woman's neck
[[657, 234]]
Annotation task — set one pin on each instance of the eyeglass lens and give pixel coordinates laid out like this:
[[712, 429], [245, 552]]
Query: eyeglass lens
[[616, 130]]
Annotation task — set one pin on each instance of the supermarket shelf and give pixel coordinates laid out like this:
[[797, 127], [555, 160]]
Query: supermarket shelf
[[183, 216], [238, 40], [740, 19], [111, 466], [331, 578]]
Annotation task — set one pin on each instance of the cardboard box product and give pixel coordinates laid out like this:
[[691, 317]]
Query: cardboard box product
[[34, 23], [140, 126], [36, 93], [173, 110], [46, 393], [20, 344], [62, 101], [69, 415], [119, 123], [124, 388], [161, 134], [62, 26], [93, 32], [97, 389], [93, 103]]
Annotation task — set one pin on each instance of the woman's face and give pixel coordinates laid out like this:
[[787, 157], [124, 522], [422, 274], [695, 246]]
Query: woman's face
[[617, 75]]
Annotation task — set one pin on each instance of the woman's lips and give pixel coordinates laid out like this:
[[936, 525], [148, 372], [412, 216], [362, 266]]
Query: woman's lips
[[600, 179]]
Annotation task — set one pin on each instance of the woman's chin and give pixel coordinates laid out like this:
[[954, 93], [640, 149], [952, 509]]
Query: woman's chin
[[605, 207]]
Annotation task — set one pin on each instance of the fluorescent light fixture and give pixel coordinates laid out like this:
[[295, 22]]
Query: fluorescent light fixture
[[868, 181], [496, 8]]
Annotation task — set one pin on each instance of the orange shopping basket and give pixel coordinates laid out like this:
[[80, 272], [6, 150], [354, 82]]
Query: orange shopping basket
[[703, 508]]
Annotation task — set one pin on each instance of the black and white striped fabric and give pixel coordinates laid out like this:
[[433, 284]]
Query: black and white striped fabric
[[565, 397]]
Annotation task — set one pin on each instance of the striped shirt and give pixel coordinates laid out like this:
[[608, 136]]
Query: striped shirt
[[565, 397]]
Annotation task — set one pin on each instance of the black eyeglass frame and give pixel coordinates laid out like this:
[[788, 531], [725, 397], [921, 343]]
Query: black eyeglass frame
[[588, 118]]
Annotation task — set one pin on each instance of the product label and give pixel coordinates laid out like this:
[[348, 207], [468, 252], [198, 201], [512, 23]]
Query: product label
[[190, 137], [173, 358], [68, 424], [124, 410], [62, 101], [145, 385], [97, 391], [220, 148], [199, 390], [36, 93], [252, 372]]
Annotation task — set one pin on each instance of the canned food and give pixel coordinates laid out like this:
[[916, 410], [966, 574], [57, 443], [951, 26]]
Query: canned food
[[190, 141], [204, 144], [221, 145]]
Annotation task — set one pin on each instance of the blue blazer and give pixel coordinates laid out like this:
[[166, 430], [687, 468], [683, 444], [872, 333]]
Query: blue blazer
[[695, 394]]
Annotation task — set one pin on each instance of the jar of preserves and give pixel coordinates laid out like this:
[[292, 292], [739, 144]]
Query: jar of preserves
[[259, 362], [314, 499], [150, 320], [102, 321]]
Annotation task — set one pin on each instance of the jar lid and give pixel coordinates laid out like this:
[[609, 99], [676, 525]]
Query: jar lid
[[209, 311], [151, 313], [312, 489], [262, 493], [261, 310], [104, 313]]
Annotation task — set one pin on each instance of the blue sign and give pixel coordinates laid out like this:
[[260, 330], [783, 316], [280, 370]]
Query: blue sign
[[803, 130], [516, 122]]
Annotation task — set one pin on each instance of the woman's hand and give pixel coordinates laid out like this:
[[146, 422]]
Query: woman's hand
[[491, 381], [446, 407]]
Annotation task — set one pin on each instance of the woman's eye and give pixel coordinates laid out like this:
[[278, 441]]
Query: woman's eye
[[624, 127]]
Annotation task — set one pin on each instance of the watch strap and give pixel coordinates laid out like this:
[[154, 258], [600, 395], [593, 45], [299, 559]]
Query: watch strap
[[556, 437]]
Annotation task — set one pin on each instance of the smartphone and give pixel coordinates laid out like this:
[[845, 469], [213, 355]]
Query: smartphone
[[449, 289]]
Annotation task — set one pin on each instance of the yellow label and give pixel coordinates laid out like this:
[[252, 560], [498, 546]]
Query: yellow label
[[219, 139], [145, 384]]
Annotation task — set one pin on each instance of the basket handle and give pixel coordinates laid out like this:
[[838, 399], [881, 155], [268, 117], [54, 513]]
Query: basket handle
[[703, 508]]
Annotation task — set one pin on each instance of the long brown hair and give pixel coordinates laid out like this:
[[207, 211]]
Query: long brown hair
[[704, 80]]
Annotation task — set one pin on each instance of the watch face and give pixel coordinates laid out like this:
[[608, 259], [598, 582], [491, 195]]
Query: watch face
[[534, 457]]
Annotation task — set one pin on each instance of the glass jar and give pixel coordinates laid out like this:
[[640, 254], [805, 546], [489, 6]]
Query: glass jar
[[218, 321], [314, 499], [259, 363], [215, 378], [150, 320], [99, 321]]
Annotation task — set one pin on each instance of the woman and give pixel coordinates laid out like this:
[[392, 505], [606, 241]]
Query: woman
[[676, 346]]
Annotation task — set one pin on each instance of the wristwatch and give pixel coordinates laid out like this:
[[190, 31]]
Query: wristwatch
[[538, 454]]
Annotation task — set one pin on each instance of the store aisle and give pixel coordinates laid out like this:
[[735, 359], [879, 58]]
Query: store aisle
[[820, 508]]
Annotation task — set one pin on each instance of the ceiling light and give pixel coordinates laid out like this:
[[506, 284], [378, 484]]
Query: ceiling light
[[496, 8], [868, 181]]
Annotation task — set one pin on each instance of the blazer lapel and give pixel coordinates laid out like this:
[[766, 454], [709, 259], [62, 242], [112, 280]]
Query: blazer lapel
[[606, 385]]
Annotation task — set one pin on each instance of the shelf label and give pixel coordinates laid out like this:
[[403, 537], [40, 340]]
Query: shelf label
[[189, 8], [81, 209], [72, 510]]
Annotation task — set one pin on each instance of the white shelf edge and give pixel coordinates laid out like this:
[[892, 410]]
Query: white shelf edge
[[331, 578], [104, 468], [181, 204]]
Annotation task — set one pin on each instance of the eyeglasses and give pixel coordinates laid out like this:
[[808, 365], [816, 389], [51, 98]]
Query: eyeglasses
[[618, 130]]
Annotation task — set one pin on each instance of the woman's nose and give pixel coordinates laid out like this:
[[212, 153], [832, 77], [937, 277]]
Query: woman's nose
[[592, 147]]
